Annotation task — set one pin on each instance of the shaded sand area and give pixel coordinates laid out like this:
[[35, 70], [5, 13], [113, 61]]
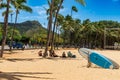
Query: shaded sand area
[[27, 65]]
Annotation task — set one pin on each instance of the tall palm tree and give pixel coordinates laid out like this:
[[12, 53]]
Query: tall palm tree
[[59, 5], [60, 20], [73, 9], [19, 5], [4, 33], [51, 5]]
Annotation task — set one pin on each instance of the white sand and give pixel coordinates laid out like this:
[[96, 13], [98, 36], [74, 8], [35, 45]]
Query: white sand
[[27, 65]]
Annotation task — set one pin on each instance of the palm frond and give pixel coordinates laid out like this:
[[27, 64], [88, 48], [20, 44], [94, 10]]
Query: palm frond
[[3, 5], [49, 2], [26, 8], [74, 8], [3, 13], [81, 2]]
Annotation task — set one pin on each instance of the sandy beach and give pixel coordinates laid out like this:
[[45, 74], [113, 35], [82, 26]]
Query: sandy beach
[[27, 65]]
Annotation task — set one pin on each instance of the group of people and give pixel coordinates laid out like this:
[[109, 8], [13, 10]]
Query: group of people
[[64, 55], [69, 54], [53, 54]]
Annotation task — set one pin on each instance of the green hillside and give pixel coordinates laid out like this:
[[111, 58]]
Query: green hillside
[[28, 25], [32, 30]]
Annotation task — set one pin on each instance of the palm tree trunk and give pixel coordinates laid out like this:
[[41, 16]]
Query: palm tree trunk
[[71, 12], [49, 29], [64, 39], [58, 38], [52, 44], [5, 29], [13, 30], [55, 43]]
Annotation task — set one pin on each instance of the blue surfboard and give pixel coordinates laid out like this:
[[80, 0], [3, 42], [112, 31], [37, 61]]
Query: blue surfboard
[[103, 61], [98, 59]]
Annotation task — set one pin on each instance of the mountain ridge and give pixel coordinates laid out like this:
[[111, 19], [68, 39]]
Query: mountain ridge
[[26, 25]]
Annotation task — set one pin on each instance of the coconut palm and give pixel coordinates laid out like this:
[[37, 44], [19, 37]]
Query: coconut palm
[[89, 30], [19, 5], [4, 33], [51, 5], [59, 5], [60, 20], [73, 9]]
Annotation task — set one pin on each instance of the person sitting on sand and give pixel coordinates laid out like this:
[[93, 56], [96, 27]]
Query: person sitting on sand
[[40, 53], [52, 53], [69, 54], [63, 55]]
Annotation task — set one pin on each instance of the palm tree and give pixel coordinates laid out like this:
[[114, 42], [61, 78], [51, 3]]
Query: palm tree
[[60, 20], [19, 5], [88, 28], [4, 34], [59, 5], [51, 5], [73, 9]]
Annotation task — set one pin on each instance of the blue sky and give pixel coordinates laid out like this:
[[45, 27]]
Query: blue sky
[[94, 10]]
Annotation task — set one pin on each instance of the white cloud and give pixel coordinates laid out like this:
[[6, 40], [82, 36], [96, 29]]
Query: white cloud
[[64, 10], [40, 9], [41, 12]]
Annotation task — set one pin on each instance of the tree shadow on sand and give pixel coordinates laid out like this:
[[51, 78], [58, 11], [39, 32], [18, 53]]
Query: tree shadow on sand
[[19, 75], [22, 59], [13, 52], [35, 59], [66, 59]]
